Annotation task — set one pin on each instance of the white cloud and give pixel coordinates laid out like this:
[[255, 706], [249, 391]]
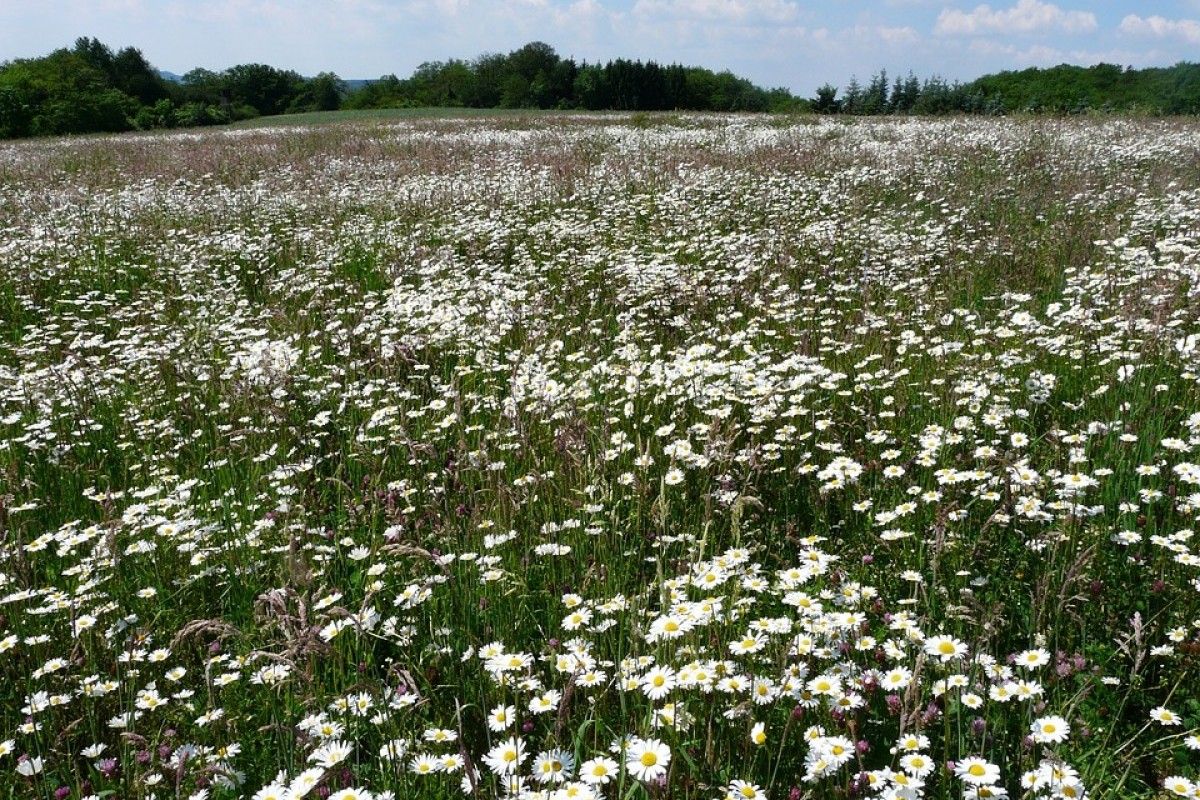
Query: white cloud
[[726, 10], [1027, 16], [904, 35], [1015, 56], [877, 35], [1162, 28]]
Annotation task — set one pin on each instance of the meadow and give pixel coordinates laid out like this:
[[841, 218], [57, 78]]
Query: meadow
[[602, 457]]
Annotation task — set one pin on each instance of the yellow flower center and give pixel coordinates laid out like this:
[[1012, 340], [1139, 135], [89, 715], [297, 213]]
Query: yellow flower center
[[649, 759]]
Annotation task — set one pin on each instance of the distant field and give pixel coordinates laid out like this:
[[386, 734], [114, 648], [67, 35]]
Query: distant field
[[554, 456], [393, 114]]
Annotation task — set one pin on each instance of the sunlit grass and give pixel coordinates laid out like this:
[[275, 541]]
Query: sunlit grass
[[571, 456]]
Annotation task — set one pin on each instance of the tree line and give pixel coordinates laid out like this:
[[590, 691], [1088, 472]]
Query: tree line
[[536, 77], [92, 88], [1065, 89], [89, 88]]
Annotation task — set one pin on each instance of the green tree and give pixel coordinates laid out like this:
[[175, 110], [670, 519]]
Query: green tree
[[875, 100], [488, 71], [386, 92], [255, 89], [133, 75], [64, 92], [905, 94], [16, 107], [95, 54], [321, 93], [532, 78], [854, 98], [590, 89], [826, 101]]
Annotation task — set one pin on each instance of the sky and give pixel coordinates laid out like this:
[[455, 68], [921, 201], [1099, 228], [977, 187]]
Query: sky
[[796, 44]]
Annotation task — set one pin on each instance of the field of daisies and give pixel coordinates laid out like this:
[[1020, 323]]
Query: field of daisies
[[602, 457]]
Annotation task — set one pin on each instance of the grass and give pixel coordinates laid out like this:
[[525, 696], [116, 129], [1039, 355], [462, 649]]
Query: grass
[[728, 457]]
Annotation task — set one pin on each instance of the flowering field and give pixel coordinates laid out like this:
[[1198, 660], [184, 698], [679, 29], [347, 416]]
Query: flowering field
[[613, 457]]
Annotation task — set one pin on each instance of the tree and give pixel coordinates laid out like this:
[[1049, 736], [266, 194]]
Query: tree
[[133, 75], [590, 89], [935, 97], [64, 92], [256, 89], [95, 54], [826, 101], [904, 94], [528, 77], [675, 87], [16, 108], [322, 93], [488, 70], [875, 101], [853, 98]]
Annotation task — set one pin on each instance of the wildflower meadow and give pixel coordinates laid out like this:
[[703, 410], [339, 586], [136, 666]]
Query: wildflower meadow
[[625, 457]]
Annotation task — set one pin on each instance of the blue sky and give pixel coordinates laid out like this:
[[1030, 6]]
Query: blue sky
[[798, 44]]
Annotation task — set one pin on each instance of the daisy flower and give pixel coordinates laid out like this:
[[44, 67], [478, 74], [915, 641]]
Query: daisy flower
[[1179, 785], [598, 771], [658, 682], [351, 794], [574, 790], [553, 766], [501, 717], [897, 678], [917, 764], [1050, 730], [440, 735], [273, 792], [744, 789], [1033, 658], [330, 754], [647, 759], [545, 702], [907, 786], [668, 627], [838, 749], [506, 757], [425, 764], [944, 647], [750, 643], [393, 750], [306, 781], [912, 742], [1164, 716], [977, 772]]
